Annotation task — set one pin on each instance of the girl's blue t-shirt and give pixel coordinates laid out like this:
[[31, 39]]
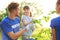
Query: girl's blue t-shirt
[[30, 26], [8, 25]]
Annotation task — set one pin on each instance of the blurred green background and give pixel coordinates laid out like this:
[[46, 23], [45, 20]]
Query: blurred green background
[[41, 32]]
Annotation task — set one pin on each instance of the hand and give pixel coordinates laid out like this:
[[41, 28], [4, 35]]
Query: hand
[[25, 29], [31, 21]]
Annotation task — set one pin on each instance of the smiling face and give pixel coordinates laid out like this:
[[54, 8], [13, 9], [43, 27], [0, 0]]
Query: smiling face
[[26, 10]]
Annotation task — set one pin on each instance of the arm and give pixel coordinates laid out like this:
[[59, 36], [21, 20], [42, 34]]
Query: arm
[[53, 34], [53, 25], [15, 35], [25, 22], [8, 30]]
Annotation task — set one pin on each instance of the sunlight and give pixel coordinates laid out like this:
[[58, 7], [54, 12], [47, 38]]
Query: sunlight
[[43, 11], [46, 5]]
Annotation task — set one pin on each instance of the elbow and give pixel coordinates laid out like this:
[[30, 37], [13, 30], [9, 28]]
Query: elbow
[[12, 35]]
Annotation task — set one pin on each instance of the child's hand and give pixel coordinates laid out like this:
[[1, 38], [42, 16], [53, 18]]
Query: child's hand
[[27, 27]]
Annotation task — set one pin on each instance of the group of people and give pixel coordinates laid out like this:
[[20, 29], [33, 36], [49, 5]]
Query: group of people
[[10, 25]]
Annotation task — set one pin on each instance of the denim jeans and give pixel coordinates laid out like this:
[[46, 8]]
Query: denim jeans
[[27, 38]]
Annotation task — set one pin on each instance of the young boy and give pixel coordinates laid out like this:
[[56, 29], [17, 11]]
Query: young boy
[[10, 24]]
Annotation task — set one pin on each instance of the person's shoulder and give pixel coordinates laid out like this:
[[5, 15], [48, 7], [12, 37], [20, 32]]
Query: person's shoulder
[[18, 19], [55, 19], [23, 16], [4, 19]]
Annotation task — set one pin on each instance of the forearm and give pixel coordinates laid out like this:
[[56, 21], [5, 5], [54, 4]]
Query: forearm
[[20, 33], [53, 34], [26, 23], [14, 36]]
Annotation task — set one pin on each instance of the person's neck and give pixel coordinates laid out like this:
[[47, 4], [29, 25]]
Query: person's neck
[[11, 16], [59, 14], [27, 15]]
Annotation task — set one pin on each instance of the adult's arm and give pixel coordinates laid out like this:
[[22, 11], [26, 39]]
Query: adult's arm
[[15, 35], [53, 34], [8, 30]]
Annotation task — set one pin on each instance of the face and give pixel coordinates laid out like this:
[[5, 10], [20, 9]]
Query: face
[[16, 11], [58, 9], [27, 12]]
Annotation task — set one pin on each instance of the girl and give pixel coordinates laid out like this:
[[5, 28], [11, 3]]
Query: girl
[[27, 22]]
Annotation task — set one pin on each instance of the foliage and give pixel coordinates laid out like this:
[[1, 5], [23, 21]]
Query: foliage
[[3, 14], [40, 32]]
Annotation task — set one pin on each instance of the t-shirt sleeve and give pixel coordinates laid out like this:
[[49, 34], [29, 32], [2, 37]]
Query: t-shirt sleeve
[[6, 27], [52, 25], [18, 19], [23, 17]]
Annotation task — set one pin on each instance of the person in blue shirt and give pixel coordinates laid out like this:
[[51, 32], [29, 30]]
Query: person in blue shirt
[[27, 22], [10, 25], [55, 23]]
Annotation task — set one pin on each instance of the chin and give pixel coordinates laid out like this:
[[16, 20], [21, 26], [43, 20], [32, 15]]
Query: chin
[[17, 15]]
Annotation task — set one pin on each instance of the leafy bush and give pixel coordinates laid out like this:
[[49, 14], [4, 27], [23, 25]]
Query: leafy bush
[[42, 34]]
